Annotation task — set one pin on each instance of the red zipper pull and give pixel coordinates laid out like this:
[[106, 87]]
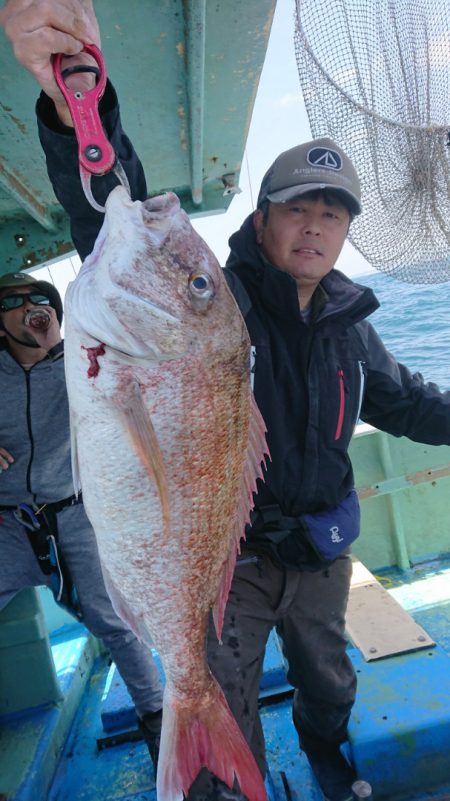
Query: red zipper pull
[[341, 404]]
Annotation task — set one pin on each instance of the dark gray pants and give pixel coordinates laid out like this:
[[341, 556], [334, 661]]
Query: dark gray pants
[[19, 569], [308, 613]]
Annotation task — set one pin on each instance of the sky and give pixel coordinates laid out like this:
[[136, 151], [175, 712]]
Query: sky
[[279, 121]]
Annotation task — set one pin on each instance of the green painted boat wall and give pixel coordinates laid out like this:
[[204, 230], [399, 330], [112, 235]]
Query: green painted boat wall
[[186, 71], [404, 490], [27, 672]]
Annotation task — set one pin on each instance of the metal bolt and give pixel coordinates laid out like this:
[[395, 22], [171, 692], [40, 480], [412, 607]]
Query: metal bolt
[[361, 789], [421, 638], [373, 650], [93, 152]]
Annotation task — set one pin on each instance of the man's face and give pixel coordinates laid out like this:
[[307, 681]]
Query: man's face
[[13, 320], [303, 237]]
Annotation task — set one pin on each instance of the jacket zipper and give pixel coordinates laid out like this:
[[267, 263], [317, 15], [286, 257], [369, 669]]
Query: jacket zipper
[[341, 404], [361, 390], [30, 432], [342, 398]]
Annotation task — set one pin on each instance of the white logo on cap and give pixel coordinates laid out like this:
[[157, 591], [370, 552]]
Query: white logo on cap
[[323, 157]]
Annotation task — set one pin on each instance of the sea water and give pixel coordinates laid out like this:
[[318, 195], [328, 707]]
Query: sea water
[[414, 323]]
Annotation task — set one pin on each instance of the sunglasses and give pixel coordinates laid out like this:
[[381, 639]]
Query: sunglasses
[[15, 301]]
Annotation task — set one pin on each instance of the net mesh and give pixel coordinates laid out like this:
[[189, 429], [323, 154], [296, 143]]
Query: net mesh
[[375, 78]]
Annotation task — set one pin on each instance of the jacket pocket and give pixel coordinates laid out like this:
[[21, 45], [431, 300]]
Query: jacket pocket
[[347, 381]]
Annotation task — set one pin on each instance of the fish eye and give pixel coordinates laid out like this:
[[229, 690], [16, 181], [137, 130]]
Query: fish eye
[[201, 286]]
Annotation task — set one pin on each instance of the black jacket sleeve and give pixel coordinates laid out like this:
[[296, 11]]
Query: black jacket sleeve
[[61, 152], [401, 403]]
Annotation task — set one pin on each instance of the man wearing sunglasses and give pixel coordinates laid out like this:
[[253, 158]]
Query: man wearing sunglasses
[[45, 536]]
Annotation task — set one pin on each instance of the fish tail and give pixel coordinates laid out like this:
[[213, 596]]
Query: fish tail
[[204, 737]]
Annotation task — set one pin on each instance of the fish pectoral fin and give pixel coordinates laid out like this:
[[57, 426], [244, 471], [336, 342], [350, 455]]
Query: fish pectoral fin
[[140, 428]]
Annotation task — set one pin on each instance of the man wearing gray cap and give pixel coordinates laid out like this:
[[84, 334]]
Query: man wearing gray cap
[[318, 366], [45, 535]]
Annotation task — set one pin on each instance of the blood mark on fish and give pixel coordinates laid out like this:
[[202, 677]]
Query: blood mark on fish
[[93, 353]]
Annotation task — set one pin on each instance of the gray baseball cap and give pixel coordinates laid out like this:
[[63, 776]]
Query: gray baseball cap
[[320, 164]]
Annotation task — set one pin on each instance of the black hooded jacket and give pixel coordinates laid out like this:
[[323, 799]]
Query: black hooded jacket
[[312, 380], [308, 376]]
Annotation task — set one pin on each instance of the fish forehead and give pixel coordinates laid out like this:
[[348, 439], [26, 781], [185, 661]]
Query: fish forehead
[[150, 252], [164, 247], [160, 221]]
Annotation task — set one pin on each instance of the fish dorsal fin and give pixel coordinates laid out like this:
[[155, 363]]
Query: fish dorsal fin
[[145, 442], [257, 450]]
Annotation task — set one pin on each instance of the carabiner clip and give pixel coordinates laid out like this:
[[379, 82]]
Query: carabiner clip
[[96, 155], [27, 516]]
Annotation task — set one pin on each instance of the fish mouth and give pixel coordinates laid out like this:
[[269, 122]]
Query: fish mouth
[[158, 213], [162, 203], [143, 359], [155, 309], [135, 346], [160, 312]]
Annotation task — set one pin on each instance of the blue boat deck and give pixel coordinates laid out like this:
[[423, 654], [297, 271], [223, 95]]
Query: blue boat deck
[[87, 747]]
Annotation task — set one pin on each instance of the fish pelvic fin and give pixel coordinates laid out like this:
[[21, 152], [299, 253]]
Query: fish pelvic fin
[[207, 736], [257, 452], [143, 436], [134, 619]]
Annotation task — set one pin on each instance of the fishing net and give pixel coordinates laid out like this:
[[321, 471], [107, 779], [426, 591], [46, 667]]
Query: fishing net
[[375, 75]]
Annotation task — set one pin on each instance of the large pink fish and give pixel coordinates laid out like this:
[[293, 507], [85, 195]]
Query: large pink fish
[[168, 443]]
